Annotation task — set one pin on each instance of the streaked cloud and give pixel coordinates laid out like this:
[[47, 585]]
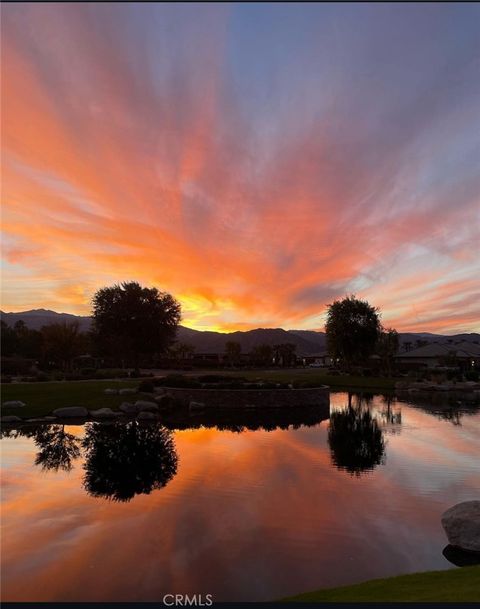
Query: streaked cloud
[[257, 161]]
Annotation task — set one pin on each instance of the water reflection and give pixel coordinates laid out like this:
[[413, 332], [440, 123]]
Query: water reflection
[[124, 459], [58, 448], [127, 459], [250, 516], [450, 406], [355, 437], [239, 420], [391, 414]]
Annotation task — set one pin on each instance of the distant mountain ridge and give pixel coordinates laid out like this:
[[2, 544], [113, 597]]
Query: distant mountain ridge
[[207, 341], [36, 318]]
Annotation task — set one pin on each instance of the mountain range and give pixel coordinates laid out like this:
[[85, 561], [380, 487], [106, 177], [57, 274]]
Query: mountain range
[[306, 341]]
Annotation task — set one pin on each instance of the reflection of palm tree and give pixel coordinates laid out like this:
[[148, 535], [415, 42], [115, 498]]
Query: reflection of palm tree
[[355, 439], [57, 448], [126, 459], [391, 417]]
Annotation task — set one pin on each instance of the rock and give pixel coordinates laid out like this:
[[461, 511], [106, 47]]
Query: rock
[[71, 411], [196, 406], [13, 404], [104, 413], [111, 391], [128, 408], [146, 416], [164, 401], [144, 406], [127, 391], [460, 558], [462, 525], [11, 419]]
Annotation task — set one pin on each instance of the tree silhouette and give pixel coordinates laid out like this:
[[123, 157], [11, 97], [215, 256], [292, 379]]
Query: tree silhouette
[[356, 440], [352, 329], [233, 351], [62, 342], [134, 321], [127, 459], [262, 354], [285, 354], [387, 348], [181, 351]]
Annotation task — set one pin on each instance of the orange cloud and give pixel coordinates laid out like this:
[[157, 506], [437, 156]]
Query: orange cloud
[[118, 168]]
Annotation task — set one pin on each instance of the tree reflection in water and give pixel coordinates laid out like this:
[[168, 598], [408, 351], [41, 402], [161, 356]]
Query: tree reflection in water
[[57, 448], [355, 438], [127, 459]]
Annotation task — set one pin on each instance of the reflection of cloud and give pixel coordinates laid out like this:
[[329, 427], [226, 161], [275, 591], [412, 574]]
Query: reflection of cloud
[[147, 145], [271, 502]]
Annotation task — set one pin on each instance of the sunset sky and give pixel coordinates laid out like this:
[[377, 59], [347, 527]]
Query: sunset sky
[[257, 161]]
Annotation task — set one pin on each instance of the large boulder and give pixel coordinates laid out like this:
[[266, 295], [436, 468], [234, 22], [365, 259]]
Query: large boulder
[[128, 408], [164, 401], [13, 404], [104, 413], [74, 412], [196, 406], [11, 419], [462, 525], [146, 416], [127, 391], [145, 406]]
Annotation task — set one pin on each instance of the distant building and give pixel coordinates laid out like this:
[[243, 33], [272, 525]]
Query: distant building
[[464, 355], [320, 359]]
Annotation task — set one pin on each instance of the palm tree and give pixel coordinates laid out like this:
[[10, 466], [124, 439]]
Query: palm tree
[[233, 351]]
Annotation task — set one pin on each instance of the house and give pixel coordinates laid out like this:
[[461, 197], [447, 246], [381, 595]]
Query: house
[[464, 355], [320, 359]]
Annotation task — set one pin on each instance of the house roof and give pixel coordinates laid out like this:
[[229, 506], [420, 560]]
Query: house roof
[[463, 349]]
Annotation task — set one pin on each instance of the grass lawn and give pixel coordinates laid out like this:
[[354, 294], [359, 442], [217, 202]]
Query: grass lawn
[[42, 398], [455, 585], [317, 375]]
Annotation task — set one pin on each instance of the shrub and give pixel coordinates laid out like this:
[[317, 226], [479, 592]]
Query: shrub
[[88, 372], [219, 378], [179, 381], [146, 387], [71, 376], [472, 375]]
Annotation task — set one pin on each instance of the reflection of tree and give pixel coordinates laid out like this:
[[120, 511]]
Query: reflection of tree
[[355, 439], [126, 459], [388, 414], [242, 419], [57, 448]]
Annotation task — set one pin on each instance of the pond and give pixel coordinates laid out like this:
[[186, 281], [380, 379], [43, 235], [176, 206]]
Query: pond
[[258, 507]]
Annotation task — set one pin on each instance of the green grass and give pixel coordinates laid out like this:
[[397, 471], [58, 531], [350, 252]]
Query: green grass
[[455, 585], [42, 398], [314, 375]]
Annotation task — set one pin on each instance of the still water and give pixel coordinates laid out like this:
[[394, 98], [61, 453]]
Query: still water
[[254, 507]]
